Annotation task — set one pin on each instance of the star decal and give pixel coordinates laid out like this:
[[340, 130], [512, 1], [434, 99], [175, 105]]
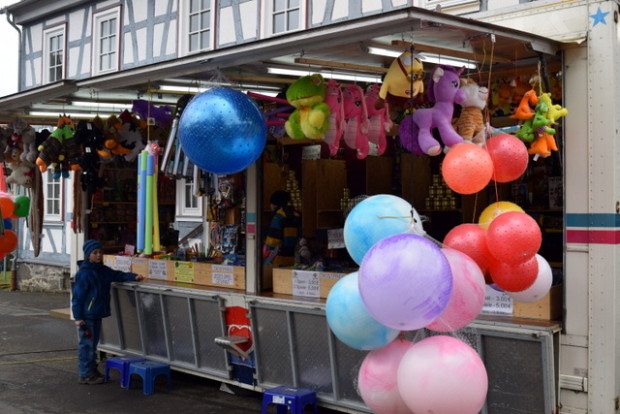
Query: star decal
[[599, 17]]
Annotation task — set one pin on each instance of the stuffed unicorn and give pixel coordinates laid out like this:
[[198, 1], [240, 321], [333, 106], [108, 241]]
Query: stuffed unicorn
[[379, 122], [416, 130], [356, 116], [337, 124]]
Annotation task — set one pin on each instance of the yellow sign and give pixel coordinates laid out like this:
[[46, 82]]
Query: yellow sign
[[184, 272]]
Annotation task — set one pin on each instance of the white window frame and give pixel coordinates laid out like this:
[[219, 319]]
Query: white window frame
[[47, 181], [48, 34], [268, 19], [187, 209], [184, 28], [98, 18]]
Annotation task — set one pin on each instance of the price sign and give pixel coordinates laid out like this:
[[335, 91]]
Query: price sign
[[158, 269], [123, 263], [497, 302], [335, 239], [306, 284], [220, 278], [184, 272]]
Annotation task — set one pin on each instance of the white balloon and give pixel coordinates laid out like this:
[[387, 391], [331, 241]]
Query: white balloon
[[541, 285]]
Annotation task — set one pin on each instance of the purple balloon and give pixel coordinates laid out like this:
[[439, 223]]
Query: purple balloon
[[405, 281]]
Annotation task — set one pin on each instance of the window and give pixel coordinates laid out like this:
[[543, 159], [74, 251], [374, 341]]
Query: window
[[283, 16], [54, 54], [52, 209], [188, 206], [197, 20], [106, 28]]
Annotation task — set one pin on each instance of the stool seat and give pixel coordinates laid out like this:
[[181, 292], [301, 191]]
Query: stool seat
[[120, 363], [295, 399], [149, 371]]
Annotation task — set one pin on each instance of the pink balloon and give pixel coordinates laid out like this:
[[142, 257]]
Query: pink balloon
[[467, 168], [515, 277], [541, 285], [468, 292], [513, 237], [509, 156], [377, 378], [470, 239], [442, 375]]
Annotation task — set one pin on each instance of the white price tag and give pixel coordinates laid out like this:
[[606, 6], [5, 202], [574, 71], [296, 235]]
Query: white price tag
[[123, 263], [158, 269], [497, 302], [335, 239], [221, 278], [222, 268], [306, 284]]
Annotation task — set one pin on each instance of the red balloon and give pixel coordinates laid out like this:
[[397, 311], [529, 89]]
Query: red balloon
[[8, 242], [514, 277], [470, 239], [7, 206], [467, 168], [509, 156], [513, 237]]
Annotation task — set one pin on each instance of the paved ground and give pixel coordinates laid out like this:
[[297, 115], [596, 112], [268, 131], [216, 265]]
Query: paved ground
[[38, 371]]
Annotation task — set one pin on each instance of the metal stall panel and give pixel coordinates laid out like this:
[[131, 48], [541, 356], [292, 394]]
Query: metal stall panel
[[172, 326], [294, 346]]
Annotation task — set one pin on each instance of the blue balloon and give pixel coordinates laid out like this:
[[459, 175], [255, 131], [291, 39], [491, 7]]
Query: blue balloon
[[222, 131], [375, 218], [8, 224], [349, 319]]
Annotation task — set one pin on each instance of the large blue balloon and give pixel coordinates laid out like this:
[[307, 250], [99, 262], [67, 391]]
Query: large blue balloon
[[375, 218], [222, 131], [349, 319]]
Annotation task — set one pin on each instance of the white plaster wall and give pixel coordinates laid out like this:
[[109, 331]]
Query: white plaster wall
[[86, 60], [226, 26], [76, 20], [141, 36], [74, 54], [36, 35], [106, 4], [161, 7], [249, 12], [371, 6], [158, 34], [341, 10], [398, 3], [318, 11], [139, 11], [127, 49], [171, 40], [55, 20]]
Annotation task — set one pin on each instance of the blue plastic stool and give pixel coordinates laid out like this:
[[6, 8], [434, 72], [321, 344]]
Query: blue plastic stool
[[149, 370], [289, 397], [121, 364]]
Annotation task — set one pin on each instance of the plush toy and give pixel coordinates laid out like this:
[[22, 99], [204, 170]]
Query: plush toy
[[404, 77], [379, 122], [21, 171], [162, 116], [416, 130], [547, 112], [501, 99], [311, 117], [356, 117], [337, 124], [5, 135], [90, 139], [554, 112], [112, 141], [59, 148], [130, 137], [470, 124], [525, 109], [24, 136]]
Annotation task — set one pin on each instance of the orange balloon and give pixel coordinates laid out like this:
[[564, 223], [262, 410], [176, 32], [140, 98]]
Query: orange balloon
[[7, 206], [467, 168], [494, 210], [8, 242], [515, 278], [509, 156]]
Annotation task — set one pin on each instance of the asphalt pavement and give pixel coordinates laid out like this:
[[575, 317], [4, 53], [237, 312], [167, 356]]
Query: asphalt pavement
[[38, 371]]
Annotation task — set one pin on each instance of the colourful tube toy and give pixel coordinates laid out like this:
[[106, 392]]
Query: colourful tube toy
[[148, 226], [141, 200], [156, 241]]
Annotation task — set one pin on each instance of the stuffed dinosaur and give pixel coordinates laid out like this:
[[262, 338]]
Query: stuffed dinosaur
[[337, 124], [311, 116], [379, 122], [554, 111], [356, 117], [470, 124], [416, 130], [525, 109]]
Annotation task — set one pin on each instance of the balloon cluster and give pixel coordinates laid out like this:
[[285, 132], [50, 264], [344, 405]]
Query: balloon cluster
[[406, 282], [11, 207], [468, 168], [505, 245]]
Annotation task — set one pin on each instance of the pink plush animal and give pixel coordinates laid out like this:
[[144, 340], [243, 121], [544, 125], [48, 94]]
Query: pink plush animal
[[379, 122], [356, 116], [416, 130], [337, 124]]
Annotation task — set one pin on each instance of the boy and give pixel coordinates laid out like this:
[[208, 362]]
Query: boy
[[283, 233], [90, 303]]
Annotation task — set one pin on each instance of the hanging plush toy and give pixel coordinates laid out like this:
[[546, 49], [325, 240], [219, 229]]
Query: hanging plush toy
[[333, 99], [416, 130], [379, 122], [470, 125], [130, 137], [90, 139], [356, 117], [59, 149], [145, 110], [525, 109], [404, 78], [547, 112], [311, 117]]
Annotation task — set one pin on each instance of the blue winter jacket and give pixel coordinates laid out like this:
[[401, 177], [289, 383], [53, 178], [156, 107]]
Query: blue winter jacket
[[91, 289]]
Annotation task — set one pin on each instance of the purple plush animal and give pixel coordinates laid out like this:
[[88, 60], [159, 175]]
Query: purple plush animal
[[416, 130]]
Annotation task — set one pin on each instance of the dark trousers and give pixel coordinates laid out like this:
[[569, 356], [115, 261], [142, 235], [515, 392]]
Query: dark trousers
[[87, 347]]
